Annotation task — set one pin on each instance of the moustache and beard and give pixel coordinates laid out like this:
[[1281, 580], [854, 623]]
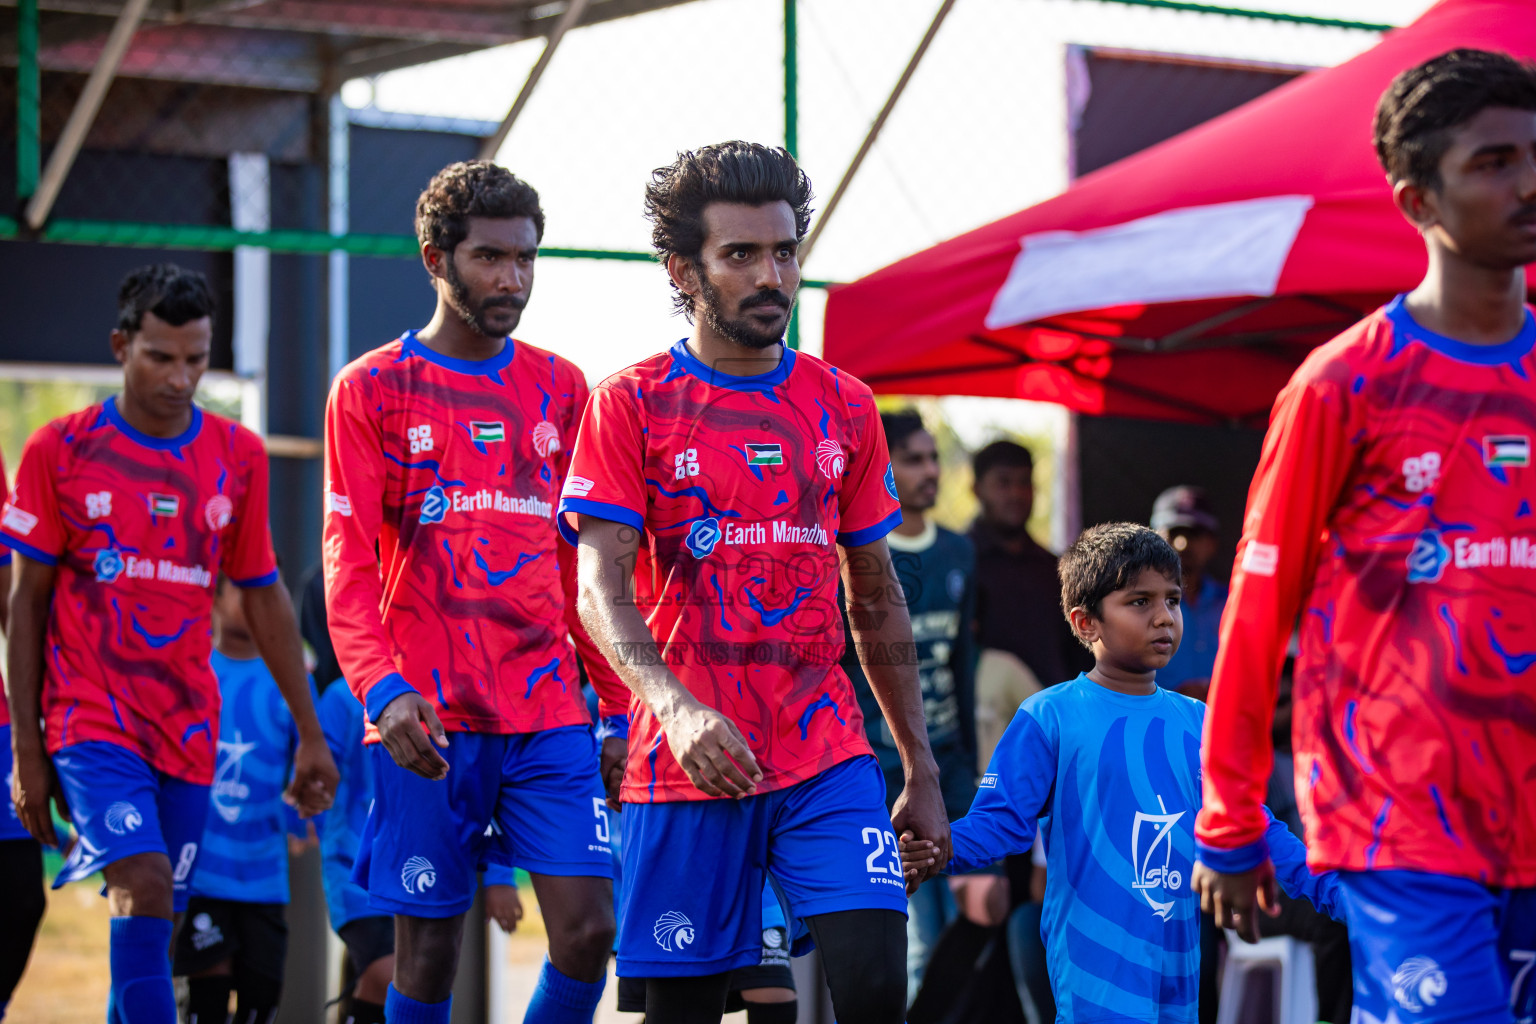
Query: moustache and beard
[[478, 317], [743, 330]]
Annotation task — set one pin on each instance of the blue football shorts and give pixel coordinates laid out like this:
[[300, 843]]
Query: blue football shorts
[[1434, 948], [10, 825], [692, 903], [121, 805], [528, 800]]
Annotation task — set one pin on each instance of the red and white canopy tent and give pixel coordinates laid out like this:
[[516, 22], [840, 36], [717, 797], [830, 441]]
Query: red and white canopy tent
[[1185, 282]]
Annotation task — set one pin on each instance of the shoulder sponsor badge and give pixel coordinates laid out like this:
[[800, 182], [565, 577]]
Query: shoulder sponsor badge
[[1507, 450], [18, 521]]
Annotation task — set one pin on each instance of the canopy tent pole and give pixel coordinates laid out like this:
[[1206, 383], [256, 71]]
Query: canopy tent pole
[[874, 130], [572, 15], [792, 129], [84, 114]]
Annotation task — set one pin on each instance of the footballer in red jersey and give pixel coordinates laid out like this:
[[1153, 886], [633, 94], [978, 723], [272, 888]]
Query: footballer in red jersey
[[21, 856], [122, 518], [1392, 512], [711, 488], [447, 448]]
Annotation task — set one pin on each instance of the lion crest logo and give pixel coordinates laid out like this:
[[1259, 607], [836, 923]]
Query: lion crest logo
[[122, 818], [418, 875], [831, 460], [1418, 983], [673, 931], [546, 439]]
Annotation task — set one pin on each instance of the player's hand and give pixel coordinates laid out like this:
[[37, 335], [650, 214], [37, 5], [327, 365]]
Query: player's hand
[[404, 727], [611, 767], [1235, 899], [919, 860], [32, 785], [504, 906], [314, 778], [709, 747], [920, 810]]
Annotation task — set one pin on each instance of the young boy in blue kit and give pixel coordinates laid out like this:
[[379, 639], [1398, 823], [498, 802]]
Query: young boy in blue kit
[[1107, 766]]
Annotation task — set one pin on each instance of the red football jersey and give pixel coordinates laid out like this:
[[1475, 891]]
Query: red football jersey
[[453, 467], [1391, 511], [743, 487], [139, 528], [5, 559]]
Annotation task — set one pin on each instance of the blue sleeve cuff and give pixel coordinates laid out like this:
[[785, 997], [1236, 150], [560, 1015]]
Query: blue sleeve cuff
[[498, 874], [384, 691], [28, 550], [1234, 861], [613, 726], [264, 580], [598, 510], [870, 534]]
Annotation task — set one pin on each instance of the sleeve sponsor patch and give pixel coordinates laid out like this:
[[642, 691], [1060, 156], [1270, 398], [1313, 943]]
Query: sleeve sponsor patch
[[338, 503], [18, 521], [1261, 559]]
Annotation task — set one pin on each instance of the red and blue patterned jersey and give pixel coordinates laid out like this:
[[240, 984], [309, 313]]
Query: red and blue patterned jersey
[[1391, 512], [5, 559], [139, 529], [743, 487], [452, 468]]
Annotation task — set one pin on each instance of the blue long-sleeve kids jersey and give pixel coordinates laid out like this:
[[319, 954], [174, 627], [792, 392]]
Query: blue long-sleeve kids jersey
[[1114, 782]]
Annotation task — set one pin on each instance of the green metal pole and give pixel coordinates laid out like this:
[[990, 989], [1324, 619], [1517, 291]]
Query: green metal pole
[[29, 159], [791, 123]]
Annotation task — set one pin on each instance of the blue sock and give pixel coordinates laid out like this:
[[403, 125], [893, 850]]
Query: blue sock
[[141, 971], [563, 1000], [399, 1009]]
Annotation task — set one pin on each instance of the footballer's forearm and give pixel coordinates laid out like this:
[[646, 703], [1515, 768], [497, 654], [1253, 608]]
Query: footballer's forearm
[[605, 600], [5, 599], [882, 637], [29, 607], [274, 628]]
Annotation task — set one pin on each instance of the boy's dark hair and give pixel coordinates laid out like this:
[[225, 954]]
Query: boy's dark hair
[[472, 188], [728, 172], [1417, 113], [899, 426], [1107, 558], [1001, 453], [174, 294]]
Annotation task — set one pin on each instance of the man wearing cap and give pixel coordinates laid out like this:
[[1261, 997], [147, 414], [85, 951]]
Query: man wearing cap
[[1186, 519]]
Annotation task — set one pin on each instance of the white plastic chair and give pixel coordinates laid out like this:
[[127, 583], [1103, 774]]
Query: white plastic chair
[[1288, 960]]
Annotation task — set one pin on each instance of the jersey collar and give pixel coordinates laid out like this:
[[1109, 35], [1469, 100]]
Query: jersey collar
[[1405, 329], [110, 411], [690, 364], [492, 367]]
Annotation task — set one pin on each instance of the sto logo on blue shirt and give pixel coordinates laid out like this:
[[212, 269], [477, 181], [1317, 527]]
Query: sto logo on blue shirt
[[703, 535], [434, 505], [890, 481]]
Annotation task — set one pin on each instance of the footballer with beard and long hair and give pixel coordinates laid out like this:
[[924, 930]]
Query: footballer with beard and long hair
[[718, 490], [448, 448]]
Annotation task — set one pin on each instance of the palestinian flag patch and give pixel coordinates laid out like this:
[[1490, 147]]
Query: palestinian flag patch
[[484, 432], [164, 505], [1512, 450], [765, 455]]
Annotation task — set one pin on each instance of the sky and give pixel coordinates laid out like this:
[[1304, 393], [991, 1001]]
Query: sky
[[981, 132]]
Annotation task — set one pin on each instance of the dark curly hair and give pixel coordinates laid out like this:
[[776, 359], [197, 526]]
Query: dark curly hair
[[1417, 112], [728, 172], [174, 294], [472, 188], [900, 425], [1107, 558]]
